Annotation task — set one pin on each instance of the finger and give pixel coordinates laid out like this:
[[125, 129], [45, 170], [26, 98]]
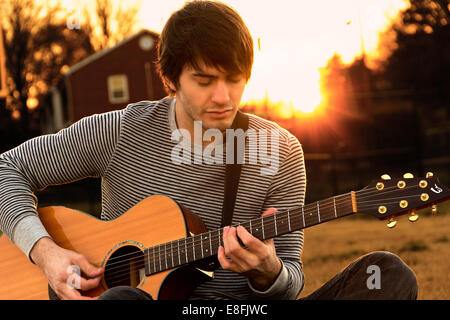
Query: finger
[[67, 292], [230, 241], [76, 295], [88, 269], [226, 265], [251, 242], [87, 284], [257, 250], [269, 211], [242, 257], [76, 281]]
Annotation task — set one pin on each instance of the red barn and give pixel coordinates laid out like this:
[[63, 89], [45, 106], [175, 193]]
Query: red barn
[[108, 80]]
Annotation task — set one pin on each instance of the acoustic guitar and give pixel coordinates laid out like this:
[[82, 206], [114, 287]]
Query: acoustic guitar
[[161, 247]]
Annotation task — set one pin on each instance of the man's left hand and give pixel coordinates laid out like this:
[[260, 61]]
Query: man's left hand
[[258, 261]]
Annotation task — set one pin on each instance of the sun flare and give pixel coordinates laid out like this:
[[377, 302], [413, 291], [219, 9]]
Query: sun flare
[[293, 40]]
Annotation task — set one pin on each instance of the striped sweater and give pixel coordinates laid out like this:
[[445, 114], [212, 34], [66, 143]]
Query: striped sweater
[[132, 151]]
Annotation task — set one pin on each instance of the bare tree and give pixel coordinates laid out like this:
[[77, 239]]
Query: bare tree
[[110, 24], [37, 46]]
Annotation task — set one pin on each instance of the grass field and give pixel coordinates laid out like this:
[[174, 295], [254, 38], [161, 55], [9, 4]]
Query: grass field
[[424, 245]]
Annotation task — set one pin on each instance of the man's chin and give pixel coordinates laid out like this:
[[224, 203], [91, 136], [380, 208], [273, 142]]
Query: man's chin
[[219, 125]]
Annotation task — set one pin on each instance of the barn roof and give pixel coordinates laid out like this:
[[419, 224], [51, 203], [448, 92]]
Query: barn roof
[[105, 51]]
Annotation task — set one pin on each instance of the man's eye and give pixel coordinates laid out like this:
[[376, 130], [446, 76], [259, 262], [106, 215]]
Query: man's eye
[[204, 84]]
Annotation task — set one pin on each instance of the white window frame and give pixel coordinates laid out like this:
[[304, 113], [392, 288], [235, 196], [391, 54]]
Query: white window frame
[[112, 87]]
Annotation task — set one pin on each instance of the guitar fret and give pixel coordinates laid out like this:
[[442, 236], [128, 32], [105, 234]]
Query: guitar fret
[[262, 226], [160, 265], [201, 245], [275, 221], [335, 213], [289, 221], [154, 258], [171, 249], [256, 229], [318, 210], [303, 214], [148, 261], [179, 258], [165, 255], [185, 250], [283, 223], [210, 244], [193, 246], [219, 240]]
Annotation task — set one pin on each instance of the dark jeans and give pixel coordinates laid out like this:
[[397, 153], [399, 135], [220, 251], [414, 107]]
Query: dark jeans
[[377, 275], [396, 281]]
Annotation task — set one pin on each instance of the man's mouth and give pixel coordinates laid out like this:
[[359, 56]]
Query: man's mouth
[[219, 113]]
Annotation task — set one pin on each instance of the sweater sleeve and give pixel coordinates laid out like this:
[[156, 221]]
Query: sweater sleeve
[[287, 190], [82, 150]]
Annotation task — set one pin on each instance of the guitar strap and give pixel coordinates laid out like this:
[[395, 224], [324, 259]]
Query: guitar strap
[[233, 170]]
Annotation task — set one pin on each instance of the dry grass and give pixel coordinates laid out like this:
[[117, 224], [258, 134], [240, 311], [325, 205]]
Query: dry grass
[[423, 245]]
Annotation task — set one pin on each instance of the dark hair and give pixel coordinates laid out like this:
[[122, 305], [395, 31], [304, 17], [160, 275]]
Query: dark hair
[[205, 31]]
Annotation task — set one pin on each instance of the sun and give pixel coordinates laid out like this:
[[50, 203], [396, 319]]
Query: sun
[[300, 40]]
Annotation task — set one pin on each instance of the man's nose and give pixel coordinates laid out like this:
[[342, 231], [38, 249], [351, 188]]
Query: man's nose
[[221, 93]]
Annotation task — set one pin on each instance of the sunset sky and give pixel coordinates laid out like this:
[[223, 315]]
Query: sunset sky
[[297, 37]]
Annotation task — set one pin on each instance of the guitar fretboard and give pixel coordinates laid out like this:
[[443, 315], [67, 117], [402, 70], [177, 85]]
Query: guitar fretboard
[[197, 247]]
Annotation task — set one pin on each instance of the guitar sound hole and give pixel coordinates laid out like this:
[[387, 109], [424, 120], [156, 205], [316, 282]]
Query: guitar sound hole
[[125, 267]]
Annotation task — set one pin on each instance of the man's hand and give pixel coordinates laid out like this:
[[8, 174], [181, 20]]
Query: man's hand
[[259, 262], [55, 262]]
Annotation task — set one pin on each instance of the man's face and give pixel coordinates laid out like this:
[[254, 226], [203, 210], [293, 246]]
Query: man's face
[[208, 95]]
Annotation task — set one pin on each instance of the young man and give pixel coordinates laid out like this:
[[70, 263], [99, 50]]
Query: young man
[[206, 56]]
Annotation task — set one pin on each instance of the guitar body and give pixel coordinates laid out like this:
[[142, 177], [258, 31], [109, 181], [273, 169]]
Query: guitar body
[[155, 220]]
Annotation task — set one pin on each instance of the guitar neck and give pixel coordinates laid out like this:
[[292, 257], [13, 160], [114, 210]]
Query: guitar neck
[[197, 247]]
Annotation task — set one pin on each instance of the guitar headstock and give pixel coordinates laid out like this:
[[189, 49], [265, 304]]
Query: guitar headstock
[[386, 198]]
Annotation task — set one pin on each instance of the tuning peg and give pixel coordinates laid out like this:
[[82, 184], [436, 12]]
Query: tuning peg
[[392, 223], [408, 175], [385, 177], [434, 209], [429, 175], [413, 217]]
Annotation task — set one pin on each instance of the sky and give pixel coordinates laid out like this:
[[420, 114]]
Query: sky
[[296, 38]]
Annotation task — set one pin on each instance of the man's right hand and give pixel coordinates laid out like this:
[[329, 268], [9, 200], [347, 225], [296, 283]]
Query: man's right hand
[[55, 262]]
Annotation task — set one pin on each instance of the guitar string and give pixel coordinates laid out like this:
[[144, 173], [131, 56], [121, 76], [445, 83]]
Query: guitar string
[[197, 241], [119, 276], [200, 240], [196, 245], [323, 207], [175, 251], [383, 191]]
